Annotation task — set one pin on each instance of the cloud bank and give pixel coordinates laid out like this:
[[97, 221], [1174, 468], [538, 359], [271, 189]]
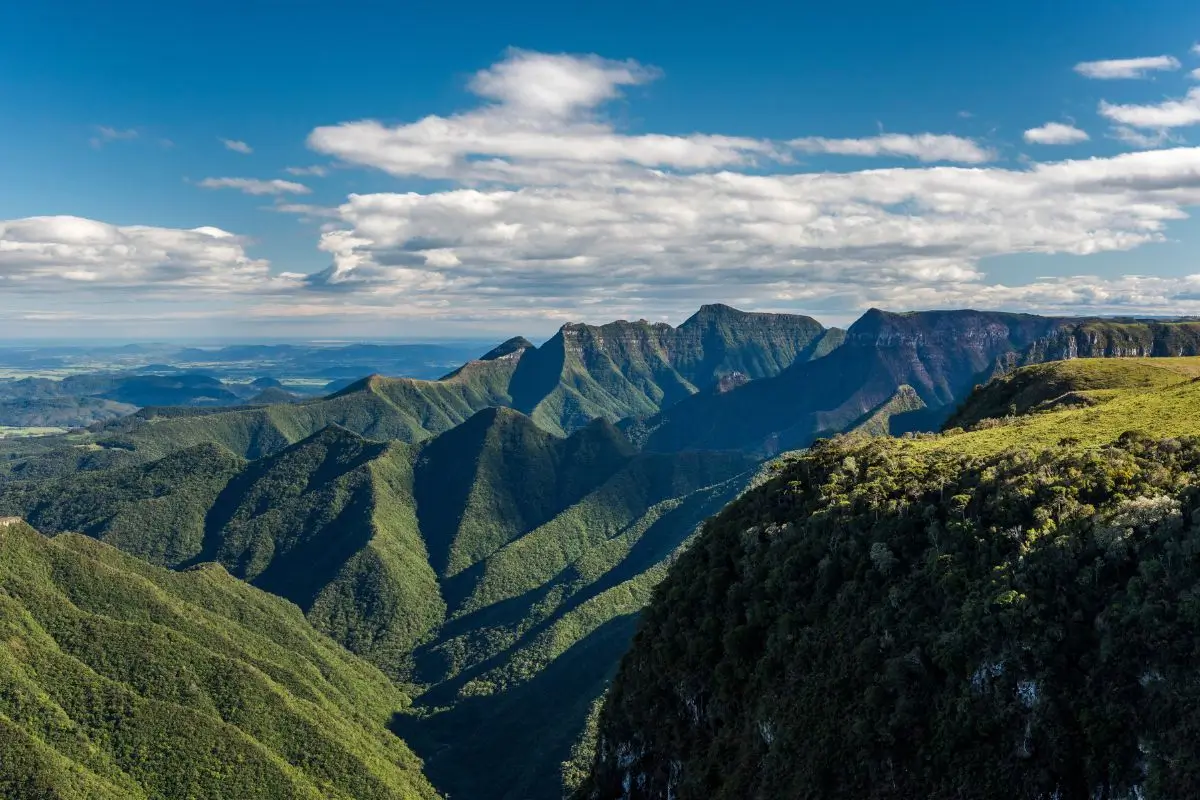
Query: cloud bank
[[63, 254], [532, 204]]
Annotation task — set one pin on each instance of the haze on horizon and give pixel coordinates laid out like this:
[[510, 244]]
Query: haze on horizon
[[230, 172]]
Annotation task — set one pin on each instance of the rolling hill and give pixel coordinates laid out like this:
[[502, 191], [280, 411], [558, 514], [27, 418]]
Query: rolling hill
[[1001, 612], [495, 568], [122, 680], [1058, 383]]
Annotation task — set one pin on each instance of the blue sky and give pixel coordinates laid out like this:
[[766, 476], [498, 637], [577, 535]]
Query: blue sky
[[534, 163]]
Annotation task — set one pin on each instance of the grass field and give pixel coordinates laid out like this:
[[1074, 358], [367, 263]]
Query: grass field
[[18, 433], [1159, 397]]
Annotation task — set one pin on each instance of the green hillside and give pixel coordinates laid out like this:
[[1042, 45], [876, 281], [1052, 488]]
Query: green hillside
[[155, 511], [1008, 610], [1057, 383], [496, 568], [1092, 417], [123, 680]]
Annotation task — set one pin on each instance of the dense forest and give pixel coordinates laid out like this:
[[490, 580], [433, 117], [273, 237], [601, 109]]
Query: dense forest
[[122, 680], [987, 614]]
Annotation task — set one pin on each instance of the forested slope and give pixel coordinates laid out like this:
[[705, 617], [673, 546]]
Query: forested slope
[[1000, 613], [475, 566], [123, 680]]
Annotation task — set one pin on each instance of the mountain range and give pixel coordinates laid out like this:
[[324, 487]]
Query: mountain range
[[487, 540]]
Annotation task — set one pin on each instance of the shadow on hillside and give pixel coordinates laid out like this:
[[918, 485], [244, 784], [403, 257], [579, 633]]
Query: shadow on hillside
[[510, 745], [662, 538]]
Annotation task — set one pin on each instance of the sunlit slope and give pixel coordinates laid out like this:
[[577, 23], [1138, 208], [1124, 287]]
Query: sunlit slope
[[1037, 387], [378, 408], [123, 680], [1158, 398]]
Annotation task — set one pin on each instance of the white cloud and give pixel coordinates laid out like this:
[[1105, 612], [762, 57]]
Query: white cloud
[[923, 147], [316, 170], [645, 241], [542, 125], [557, 86], [1196, 49], [548, 212], [541, 122], [1195, 74], [1119, 68], [1142, 141], [106, 134], [1055, 133], [237, 147], [256, 186], [1167, 114], [65, 254], [551, 211]]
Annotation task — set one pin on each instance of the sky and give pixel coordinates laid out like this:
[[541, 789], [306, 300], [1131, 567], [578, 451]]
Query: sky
[[271, 170]]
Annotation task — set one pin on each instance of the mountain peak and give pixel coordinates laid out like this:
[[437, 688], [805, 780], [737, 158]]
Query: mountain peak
[[514, 346], [719, 310]]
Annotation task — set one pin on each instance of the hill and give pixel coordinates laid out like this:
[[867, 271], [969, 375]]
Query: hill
[[1057, 383], [941, 355], [124, 680], [273, 395], [61, 412], [496, 568], [887, 618]]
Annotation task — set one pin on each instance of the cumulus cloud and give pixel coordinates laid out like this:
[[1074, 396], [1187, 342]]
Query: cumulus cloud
[[106, 134], [546, 85], [65, 254], [540, 124], [256, 186], [237, 147], [316, 171], [1167, 114], [923, 147], [651, 238], [1127, 68], [544, 210], [1055, 133]]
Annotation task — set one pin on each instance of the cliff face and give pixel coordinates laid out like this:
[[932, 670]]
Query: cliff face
[[942, 355], [1113, 339], [635, 369]]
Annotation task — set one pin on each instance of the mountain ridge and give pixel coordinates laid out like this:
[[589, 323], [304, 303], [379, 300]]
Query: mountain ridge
[[124, 680], [942, 355], [464, 566]]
